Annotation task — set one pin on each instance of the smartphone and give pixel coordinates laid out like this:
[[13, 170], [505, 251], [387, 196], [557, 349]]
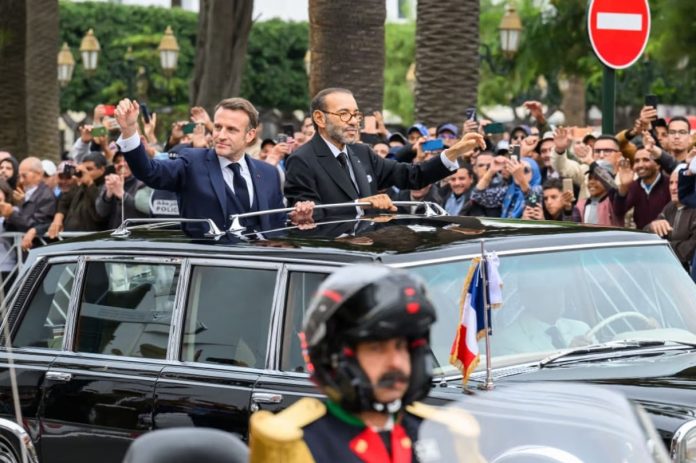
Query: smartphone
[[567, 184], [651, 100], [433, 145], [188, 128], [470, 114], [109, 109], [98, 131], [515, 153], [289, 130], [494, 128], [370, 124], [146, 113], [281, 138]]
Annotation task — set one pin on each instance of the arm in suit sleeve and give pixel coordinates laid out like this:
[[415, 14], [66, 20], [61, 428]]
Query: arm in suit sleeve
[[167, 174], [300, 184], [687, 189], [43, 212], [407, 176]]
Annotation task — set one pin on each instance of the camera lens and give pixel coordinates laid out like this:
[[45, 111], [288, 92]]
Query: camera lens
[[78, 174]]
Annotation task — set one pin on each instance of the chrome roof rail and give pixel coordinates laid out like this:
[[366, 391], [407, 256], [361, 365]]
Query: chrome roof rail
[[431, 210], [123, 232]]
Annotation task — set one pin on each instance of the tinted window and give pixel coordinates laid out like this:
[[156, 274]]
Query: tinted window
[[228, 316], [43, 324], [301, 288], [126, 309]]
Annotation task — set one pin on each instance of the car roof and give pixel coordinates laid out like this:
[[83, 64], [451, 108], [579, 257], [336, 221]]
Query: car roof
[[386, 238]]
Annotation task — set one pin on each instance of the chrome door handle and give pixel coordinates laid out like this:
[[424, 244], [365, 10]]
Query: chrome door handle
[[58, 376], [264, 398]]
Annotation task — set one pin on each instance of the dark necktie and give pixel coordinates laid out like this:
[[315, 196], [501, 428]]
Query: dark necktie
[[343, 160], [555, 335], [240, 186]]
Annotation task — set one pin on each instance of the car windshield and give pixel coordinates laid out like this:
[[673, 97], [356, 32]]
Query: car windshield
[[564, 299]]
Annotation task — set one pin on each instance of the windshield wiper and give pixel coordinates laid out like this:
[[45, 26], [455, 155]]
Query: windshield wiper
[[611, 346]]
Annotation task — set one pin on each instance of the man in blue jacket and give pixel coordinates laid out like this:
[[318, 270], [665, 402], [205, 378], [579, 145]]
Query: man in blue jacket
[[212, 183]]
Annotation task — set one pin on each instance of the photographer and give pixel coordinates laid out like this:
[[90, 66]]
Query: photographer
[[557, 204], [76, 208]]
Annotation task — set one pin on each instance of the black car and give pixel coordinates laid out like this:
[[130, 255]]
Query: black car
[[116, 335]]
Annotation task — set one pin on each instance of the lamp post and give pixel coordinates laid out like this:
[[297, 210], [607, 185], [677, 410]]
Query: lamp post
[[89, 49], [169, 52], [66, 65], [510, 30]]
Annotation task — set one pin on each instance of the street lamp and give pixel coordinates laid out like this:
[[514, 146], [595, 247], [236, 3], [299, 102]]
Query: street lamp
[[169, 51], [510, 28], [66, 65], [89, 48]]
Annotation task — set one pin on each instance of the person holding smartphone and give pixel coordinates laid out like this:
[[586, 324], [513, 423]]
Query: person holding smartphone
[[557, 204]]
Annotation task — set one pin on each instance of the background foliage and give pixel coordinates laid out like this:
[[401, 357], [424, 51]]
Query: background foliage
[[554, 44]]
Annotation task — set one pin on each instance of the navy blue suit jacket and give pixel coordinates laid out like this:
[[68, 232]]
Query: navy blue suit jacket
[[196, 177]]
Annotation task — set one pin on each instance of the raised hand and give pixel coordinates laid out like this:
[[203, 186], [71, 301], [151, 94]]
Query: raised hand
[[465, 146], [200, 115], [535, 108], [150, 127], [584, 153], [561, 139], [126, 114]]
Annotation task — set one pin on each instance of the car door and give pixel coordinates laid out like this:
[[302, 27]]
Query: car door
[[222, 346], [37, 323], [99, 392], [287, 381]]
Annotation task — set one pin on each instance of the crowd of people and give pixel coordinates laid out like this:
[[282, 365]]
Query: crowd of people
[[641, 177]]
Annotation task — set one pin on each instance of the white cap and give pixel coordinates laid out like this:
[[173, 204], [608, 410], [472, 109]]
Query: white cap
[[49, 168]]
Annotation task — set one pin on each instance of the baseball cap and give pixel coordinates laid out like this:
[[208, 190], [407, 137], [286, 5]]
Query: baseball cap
[[448, 127], [503, 146], [604, 171], [396, 136], [421, 128], [49, 168]]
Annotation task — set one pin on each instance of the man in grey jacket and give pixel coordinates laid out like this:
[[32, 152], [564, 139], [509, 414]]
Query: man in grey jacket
[[119, 189]]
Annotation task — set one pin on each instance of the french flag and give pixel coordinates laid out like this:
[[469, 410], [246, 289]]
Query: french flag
[[464, 354]]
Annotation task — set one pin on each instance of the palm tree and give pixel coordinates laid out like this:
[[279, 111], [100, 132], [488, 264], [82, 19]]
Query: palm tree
[[223, 33], [29, 84], [447, 59], [347, 48]]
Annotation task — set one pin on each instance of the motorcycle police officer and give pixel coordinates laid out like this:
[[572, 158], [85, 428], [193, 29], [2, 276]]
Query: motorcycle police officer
[[366, 344]]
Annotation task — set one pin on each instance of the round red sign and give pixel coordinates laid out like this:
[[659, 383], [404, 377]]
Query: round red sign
[[618, 30]]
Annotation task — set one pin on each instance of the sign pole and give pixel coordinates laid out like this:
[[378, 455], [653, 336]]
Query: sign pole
[[608, 100]]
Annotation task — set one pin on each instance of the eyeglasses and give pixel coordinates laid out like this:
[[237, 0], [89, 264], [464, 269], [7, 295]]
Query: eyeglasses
[[603, 151], [346, 116], [678, 132]]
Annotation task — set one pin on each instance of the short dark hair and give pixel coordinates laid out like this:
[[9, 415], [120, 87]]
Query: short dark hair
[[552, 183], [96, 157], [465, 165], [605, 136], [241, 104], [680, 119], [319, 101]]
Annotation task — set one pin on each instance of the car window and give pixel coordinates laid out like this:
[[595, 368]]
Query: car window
[[588, 295], [126, 309], [228, 315], [43, 324], [301, 288]]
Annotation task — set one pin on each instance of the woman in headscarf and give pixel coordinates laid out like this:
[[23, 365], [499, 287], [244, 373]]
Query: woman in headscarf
[[9, 170], [525, 187]]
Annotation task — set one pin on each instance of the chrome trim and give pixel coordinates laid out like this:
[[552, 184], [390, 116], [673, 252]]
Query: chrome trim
[[511, 252], [176, 329], [58, 376], [280, 312], [675, 449], [73, 306], [277, 317], [125, 259], [27, 449], [266, 398], [431, 210], [123, 232]]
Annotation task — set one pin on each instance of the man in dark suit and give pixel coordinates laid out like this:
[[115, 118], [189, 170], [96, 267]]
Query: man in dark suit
[[333, 168], [211, 183], [39, 203]]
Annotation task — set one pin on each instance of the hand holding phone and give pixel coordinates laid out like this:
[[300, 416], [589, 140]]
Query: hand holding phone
[[494, 128], [370, 124], [98, 131], [188, 128], [567, 184], [145, 112]]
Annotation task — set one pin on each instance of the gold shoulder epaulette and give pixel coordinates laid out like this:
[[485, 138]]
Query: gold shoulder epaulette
[[462, 424], [279, 437]]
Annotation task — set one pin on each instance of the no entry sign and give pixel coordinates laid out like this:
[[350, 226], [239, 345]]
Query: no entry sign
[[619, 30]]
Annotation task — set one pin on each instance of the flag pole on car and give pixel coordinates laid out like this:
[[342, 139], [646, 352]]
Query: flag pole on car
[[488, 384]]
